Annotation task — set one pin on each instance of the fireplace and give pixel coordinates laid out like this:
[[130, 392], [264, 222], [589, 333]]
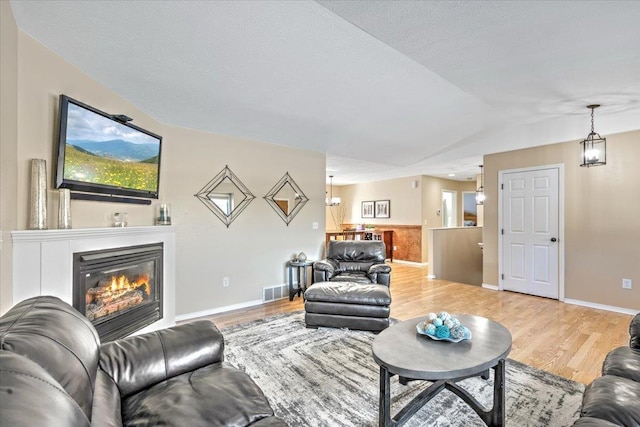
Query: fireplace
[[119, 290]]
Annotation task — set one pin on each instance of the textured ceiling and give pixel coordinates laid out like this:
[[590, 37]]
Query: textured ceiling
[[386, 89]]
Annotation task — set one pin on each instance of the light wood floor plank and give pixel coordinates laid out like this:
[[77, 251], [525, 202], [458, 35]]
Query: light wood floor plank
[[565, 339]]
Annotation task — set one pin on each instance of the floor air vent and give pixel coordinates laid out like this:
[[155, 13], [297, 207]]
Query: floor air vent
[[275, 292]]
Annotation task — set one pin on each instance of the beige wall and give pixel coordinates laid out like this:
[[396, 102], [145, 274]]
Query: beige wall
[[252, 252], [404, 201], [409, 206], [602, 218], [8, 145], [458, 258], [43, 76], [432, 202]]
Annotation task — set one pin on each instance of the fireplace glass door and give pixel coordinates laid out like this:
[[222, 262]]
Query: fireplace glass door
[[119, 290]]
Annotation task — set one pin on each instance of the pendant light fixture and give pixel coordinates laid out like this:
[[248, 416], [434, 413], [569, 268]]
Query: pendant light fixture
[[331, 201], [593, 149], [480, 190]]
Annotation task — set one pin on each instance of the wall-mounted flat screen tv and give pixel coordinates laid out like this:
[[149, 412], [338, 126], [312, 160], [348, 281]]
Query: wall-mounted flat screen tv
[[103, 153]]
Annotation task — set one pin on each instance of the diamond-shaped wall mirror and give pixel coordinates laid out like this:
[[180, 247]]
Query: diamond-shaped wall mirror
[[226, 196], [286, 198]]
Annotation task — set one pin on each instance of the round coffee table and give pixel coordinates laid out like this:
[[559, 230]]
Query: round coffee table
[[401, 350]]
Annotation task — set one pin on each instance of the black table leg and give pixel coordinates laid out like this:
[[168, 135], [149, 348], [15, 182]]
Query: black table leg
[[497, 413], [384, 416], [291, 290]]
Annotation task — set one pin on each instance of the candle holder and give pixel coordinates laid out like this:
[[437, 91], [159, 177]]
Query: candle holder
[[163, 216], [120, 219], [38, 208], [64, 209]]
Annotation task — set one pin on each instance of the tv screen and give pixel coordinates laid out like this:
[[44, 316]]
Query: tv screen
[[102, 153]]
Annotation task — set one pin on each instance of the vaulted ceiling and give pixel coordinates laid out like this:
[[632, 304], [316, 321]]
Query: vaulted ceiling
[[386, 88]]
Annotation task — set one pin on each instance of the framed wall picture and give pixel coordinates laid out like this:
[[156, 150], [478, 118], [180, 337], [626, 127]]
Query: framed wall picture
[[382, 209], [368, 210]]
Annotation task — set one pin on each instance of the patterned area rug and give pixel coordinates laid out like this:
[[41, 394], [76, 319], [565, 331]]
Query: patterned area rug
[[327, 377]]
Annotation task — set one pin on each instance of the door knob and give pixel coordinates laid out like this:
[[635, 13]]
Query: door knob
[[553, 239]]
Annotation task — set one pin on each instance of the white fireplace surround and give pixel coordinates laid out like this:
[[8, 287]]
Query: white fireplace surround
[[43, 261]]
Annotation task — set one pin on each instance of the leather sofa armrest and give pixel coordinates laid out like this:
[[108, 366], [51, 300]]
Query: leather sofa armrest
[[622, 362], [137, 362], [634, 332], [30, 396], [380, 274], [380, 268], [323, 270]]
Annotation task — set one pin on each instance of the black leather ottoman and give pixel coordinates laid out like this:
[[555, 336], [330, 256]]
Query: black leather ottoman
[[347, 305]]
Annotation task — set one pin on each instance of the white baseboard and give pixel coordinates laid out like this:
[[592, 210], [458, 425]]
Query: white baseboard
[[601, 306], [431, 276], [209, 312], [492, 287], [417, 264]]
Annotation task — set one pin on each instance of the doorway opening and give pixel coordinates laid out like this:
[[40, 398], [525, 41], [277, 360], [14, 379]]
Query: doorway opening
[[469, 209], [449, 208]]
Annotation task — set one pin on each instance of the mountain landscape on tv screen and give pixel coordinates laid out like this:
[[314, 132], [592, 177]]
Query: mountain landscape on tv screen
[[119, 149]]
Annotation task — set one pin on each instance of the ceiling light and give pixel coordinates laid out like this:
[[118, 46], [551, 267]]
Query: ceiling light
[[593, 149], [331, 201], [480, 190], [452, 174]]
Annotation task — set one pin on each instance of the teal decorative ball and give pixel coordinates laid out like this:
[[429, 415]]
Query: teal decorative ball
[[437, 322], [443, 332]]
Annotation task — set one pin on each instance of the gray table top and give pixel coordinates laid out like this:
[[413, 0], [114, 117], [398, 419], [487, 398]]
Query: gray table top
[[405, 352], [301, 263]]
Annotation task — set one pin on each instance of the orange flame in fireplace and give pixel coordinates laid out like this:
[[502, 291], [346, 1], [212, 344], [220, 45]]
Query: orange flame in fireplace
[[116, 294], [122, 283]]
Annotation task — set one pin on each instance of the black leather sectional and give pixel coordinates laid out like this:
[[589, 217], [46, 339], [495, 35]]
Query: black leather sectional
[[54, 372], [614, 398]]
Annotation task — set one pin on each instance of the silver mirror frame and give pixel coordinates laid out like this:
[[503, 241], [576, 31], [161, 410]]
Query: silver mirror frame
[[207, 190], [300, 197]]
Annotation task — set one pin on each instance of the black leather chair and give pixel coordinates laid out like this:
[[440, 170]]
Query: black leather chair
[[614, 398], [54, 372], [351, 287], [359, 261]]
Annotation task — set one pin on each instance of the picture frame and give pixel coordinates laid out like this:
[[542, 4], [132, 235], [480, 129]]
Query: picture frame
[[382, 209], [368, 209]]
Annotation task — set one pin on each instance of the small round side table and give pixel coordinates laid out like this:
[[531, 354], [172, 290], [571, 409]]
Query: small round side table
[[300, 285]]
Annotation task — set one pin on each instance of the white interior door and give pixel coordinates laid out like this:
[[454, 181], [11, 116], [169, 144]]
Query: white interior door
[[530, 232]]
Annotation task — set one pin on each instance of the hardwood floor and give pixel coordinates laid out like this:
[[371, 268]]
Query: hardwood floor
[[568, 340]]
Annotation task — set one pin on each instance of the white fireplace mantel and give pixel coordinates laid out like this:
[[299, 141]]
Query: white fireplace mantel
[[43, 260]]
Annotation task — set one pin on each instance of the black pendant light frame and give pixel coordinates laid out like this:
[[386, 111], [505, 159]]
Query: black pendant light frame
[[593, 149]]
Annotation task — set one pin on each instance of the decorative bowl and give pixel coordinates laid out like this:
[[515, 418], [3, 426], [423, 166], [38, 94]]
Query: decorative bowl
[[443, 327], [433, 337]]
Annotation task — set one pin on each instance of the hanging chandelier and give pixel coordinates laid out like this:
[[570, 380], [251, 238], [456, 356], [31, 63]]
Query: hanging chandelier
[[593, 149], [331, 201], [480, 190]]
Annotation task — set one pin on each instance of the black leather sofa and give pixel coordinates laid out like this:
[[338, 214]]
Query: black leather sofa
[[359, 261], [614, 398], [54, 372]]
